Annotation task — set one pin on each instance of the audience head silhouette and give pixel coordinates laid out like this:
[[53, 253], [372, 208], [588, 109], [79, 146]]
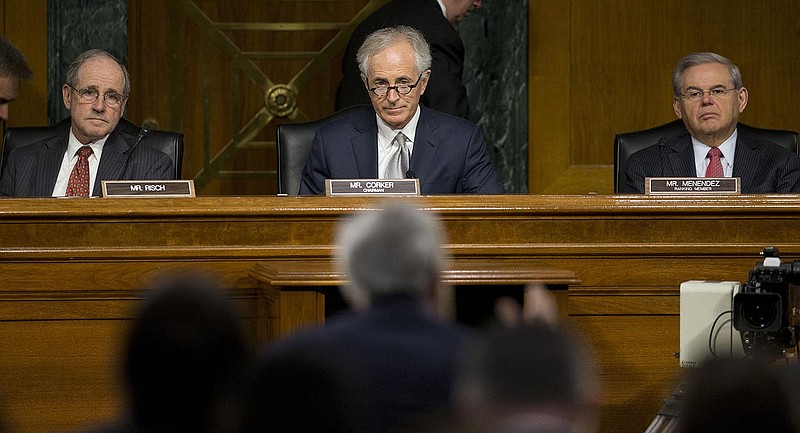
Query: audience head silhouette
[[395, 250], [736, 396], [183, 356], [527, 378], [300, 391]]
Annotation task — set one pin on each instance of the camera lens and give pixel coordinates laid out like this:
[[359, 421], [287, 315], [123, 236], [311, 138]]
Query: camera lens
[[759, 313]]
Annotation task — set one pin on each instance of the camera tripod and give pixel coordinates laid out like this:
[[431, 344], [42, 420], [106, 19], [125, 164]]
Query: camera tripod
[[667, 418]]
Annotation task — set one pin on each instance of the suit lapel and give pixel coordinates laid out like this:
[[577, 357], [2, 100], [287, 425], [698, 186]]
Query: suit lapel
[[365, 144], [745, 159], [426, 145], [681, 157], [113, 161], [49, 160]]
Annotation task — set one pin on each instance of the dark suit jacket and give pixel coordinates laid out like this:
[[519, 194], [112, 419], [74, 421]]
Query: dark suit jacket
[[763, 167], [32, 169], [446, 91], [449, 155], [399, 358]]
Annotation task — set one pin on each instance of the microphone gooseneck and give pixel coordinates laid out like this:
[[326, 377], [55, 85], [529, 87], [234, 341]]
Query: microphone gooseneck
[[142, 134], [662, 143]]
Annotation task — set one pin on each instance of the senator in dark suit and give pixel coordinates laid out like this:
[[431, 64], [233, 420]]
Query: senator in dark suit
[[448, 154], [394, 348], [709, 96], [762, 166], [95, 93], [447, 92], [31, 170]]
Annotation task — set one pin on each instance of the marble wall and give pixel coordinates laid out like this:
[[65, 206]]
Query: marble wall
[[75, 26], [496, 75]]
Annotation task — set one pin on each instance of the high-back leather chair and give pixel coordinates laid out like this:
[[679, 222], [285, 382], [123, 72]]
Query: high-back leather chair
[[293, 143], [170, 143], [628, 143]]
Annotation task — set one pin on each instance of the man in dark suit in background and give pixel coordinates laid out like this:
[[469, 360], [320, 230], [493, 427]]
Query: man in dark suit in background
[[709, 96], [395, 348], [436, 20], [12, 69], [95, 94], [398, 137]]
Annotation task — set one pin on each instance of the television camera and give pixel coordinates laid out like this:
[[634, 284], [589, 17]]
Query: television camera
[[766, 309]]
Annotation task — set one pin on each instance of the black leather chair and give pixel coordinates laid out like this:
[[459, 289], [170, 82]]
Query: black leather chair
[[170, 143], [627, 143], [293, 143]]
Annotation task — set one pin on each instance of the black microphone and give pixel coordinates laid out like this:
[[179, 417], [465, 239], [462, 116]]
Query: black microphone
[[662, 143], [410, 175], [142, 134]]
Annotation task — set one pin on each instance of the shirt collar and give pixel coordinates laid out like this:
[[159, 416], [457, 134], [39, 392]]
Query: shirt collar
[[74, 145], [728, 148], [410, 130], [444, 8]]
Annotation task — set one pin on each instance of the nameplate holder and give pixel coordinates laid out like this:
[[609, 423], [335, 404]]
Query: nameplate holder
[[381, 187], [692, 185], [148, 188]]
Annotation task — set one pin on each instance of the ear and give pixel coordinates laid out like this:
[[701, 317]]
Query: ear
[[423, 84], [676, 107], [744, 95], [65, 90]]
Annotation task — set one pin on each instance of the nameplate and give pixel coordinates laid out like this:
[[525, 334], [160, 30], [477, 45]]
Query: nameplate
[[147, 188], [351, 187], [692, 185]]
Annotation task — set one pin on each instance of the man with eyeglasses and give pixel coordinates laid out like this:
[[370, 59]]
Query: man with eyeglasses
[[95, 147], [397, 137], [709, 96], [436, 20]]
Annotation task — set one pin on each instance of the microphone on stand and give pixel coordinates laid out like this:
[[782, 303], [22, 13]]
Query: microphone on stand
[[142, 134], [662, 143]]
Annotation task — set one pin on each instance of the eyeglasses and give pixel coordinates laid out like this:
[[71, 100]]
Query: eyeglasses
[[89, 95], [694, 95], [381, 90]]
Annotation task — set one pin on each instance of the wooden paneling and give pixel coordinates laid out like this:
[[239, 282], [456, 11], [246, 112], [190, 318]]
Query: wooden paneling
[[205, 67], [25, 24], [70, 272], [600, 67]]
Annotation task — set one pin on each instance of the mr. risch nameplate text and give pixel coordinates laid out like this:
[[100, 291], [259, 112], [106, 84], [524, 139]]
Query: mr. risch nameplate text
[[148, 188]]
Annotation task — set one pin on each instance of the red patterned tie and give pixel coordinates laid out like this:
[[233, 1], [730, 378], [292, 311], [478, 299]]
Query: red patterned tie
[[715, 166], [78, 184]]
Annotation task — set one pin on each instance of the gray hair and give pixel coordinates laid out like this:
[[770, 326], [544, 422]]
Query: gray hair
[[12, 63], [381, 39], [702, 59], [396, 249], [75, 66]]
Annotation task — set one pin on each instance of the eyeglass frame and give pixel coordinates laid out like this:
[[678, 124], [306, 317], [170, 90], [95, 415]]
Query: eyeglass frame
[[716, 93], [82, 93], [396, 88]]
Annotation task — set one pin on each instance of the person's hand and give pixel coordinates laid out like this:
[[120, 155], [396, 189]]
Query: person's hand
[[539, 304]]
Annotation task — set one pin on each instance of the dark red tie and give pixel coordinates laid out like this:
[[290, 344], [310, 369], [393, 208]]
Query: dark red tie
[[715, 165], [78, 185]]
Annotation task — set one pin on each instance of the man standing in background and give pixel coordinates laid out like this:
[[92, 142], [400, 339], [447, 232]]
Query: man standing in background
[[435, 19], [13, 69]]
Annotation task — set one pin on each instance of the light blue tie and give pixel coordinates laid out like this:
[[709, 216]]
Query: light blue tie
[[397, 165]]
